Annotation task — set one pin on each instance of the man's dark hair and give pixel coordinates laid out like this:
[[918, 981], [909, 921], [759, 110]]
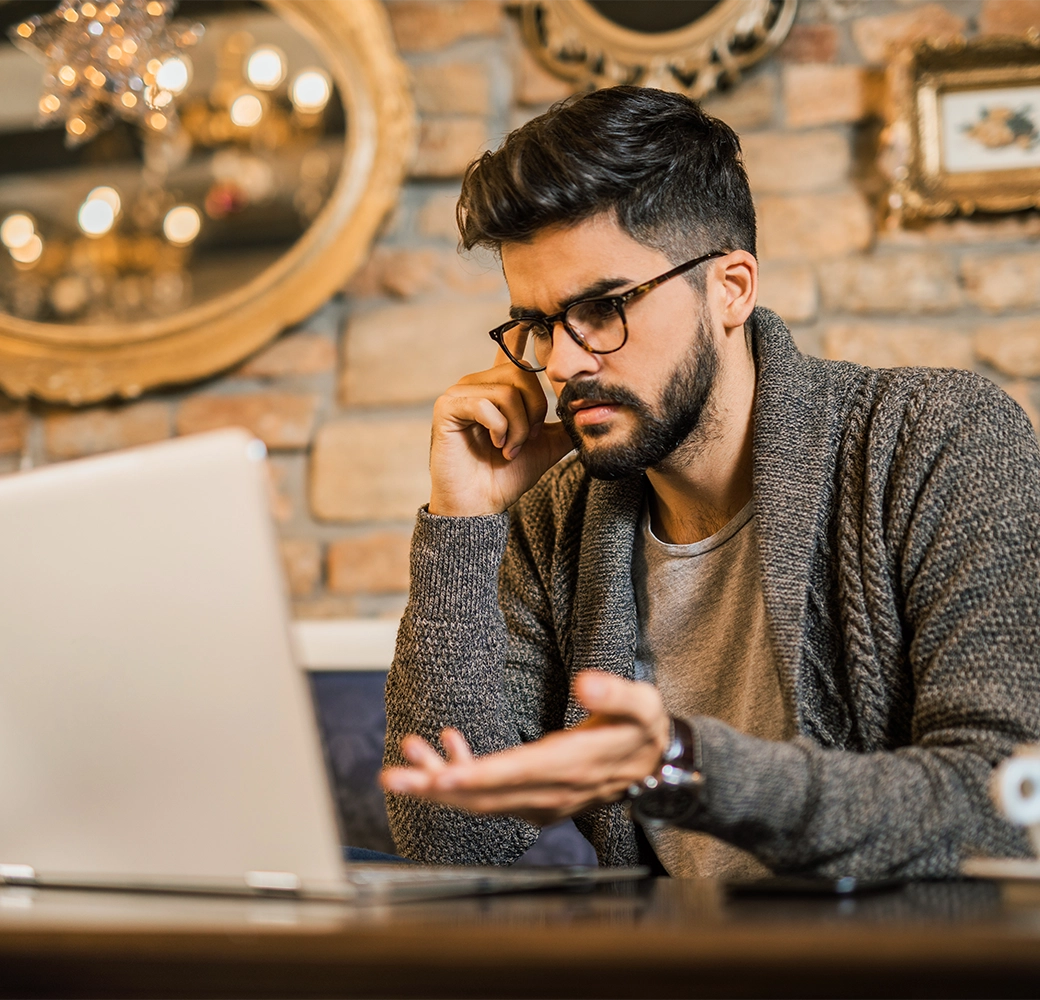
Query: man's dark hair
[[670, 173]]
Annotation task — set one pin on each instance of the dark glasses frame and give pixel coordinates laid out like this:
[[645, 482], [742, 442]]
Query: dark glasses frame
[[618, 302]]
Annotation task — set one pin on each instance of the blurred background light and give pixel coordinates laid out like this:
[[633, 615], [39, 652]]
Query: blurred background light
[[265, 67], [17, 230], [311, 90], [182, 224], [246, 110]]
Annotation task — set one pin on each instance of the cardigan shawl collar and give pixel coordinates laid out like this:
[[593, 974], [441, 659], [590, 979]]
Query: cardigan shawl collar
[[791, 408]]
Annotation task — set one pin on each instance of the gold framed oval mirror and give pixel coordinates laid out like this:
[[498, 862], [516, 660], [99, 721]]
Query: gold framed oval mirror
[[155, 259], [691, 46]]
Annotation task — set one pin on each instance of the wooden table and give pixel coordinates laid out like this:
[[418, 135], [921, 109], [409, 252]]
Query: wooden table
[[660, 938]]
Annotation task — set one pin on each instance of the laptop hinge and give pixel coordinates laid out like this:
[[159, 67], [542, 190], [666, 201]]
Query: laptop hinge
[[273, 881], [17, 875]]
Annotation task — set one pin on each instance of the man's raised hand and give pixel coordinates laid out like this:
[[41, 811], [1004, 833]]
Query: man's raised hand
[[621, 742], [490, 441]]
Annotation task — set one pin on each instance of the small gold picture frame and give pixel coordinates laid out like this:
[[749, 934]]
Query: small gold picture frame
[[962, 129]]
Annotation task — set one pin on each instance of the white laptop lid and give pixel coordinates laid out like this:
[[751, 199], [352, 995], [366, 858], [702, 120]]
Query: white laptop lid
[[153, 727]]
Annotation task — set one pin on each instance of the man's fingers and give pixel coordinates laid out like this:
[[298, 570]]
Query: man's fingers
[[418, 752], [456, 746], [517, 393], [406, 780], [605, 694], [499, 408]]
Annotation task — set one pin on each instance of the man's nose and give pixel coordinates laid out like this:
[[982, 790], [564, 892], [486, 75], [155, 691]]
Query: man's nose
[[568, 358]]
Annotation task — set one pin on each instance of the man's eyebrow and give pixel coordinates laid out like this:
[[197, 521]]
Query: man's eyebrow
[[597, 288]]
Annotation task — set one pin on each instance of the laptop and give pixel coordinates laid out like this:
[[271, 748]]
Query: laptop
[[155, 731]]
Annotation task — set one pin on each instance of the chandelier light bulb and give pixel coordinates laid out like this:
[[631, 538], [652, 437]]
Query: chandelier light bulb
[[89, 10], [157, 98], [16, 230], [311, 90], [49, 103], [67, 75], [110, 196], [95, 217], [265, 67], [76, 126], [182, 224], [173, 75], [246, 110], [30, 252]]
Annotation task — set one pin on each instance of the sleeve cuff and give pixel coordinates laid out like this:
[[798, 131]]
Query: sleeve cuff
[[455, 563]]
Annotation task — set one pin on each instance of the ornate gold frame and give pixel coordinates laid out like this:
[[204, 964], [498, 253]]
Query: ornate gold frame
[[574, 41], [911, 153], [84, 364]]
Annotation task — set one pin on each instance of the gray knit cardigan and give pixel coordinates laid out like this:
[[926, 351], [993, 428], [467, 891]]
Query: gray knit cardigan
[[899, 537]]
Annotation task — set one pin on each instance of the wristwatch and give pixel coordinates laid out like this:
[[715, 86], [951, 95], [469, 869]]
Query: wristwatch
[[672, 792]]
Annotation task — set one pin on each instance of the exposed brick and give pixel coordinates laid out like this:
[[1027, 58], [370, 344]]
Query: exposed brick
[[1009, 281], [788, 289], [324, 607], [897, 345], [370, 470], [421, 26], [1009, 17], [476, 273], [408, 354], [829, 95], [876, 37], [401, 272], [278, 495], [456, 88], [1012, 346], [405, 273], [1023, 393], [437, 216], [535, 85], [781, 163], [371, 564], [279, 419], [891, 283], [105, 428], [295, 354], [810, 43], [813, 227], [14, 425], [750, 105], [301, 558], [965, 232], [448, 145]]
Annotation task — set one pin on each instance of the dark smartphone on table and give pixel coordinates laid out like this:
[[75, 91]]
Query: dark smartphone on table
[[785, 885]]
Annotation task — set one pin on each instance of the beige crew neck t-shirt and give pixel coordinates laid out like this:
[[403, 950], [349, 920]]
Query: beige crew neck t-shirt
[[704, 641]]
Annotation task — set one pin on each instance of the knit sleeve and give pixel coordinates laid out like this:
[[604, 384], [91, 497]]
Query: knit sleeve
[[958, 511], [468, 660]]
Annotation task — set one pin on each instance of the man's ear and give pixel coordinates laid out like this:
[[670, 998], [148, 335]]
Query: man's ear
[[738, 285]]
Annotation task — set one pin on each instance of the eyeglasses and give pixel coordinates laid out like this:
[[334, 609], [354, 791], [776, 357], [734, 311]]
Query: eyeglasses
[[596, 325]]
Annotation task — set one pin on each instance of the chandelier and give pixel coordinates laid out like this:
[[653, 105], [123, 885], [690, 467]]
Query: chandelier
[[122, 58]]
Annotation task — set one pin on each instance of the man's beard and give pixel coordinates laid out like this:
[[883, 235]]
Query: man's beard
[[683, 410]]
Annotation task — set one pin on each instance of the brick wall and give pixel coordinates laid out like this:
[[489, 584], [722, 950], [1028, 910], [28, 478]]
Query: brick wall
[[343, 401]]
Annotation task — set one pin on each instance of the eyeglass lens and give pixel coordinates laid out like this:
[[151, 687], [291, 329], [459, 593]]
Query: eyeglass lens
[[597, 324]]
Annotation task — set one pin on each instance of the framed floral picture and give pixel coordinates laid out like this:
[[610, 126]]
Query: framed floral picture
[[963, 129]]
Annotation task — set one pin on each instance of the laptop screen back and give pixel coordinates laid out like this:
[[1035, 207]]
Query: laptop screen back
[[153, 727]]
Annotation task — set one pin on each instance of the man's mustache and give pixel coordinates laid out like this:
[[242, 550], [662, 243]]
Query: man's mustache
[[592, 393]]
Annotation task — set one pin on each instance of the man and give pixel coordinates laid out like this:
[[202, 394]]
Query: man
[[786, 606]]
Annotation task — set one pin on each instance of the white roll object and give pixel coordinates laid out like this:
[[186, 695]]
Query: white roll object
[[1016, 787]]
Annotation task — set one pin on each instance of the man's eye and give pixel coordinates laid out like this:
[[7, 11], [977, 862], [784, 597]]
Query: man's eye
[[538, 331]]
